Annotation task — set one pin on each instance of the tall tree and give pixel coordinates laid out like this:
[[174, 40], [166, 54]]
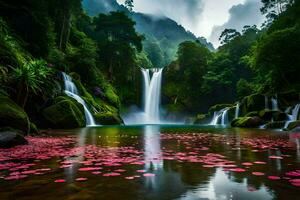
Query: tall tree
[[227, 35]]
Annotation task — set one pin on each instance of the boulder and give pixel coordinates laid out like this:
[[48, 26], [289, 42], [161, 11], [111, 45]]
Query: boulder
[[10, 138], [275, 125], [108, 119], [252, 114], [269, 115], [12, 115], [247, 122], [217, 108], [293, 125], [64, 113], [202, 119]]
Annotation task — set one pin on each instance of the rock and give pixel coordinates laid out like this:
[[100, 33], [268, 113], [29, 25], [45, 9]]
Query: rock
[[247, 122], [269, 115], [296, 130], [108, 119], [293, 125], [190, 120], [252, 114], [252, 103], [65, 113], [280, 116], [202, 119], [12, 115], [275, 125], [33, 128], [217, 108], [11, 138]]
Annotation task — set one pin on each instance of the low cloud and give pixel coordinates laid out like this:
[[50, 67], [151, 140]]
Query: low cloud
[[247, 13]]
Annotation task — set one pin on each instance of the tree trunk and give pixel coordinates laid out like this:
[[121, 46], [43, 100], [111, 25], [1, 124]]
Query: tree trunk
[[62, 32], [110, 71], [25, 97]]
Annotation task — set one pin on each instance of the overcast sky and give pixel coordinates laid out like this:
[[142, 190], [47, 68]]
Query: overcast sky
[[205, 18]]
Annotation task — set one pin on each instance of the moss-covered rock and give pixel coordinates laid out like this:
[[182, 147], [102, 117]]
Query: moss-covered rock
[[217, 108], [65, 113], [202, 119], [33, 128], [275, 125], [252, 114], [247, 122], [12, 115], [11, 138], [252, 103], [108, 119], [293, 125], [269, 115]]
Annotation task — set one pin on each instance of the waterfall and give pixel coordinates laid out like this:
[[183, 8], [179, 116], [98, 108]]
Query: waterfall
[[237, 110], [293, 116], [71, 91], [215, 119], [274, 103], [220, 116], [152, 92], [266, 102]]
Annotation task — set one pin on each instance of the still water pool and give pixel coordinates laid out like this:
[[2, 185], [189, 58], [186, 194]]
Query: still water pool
[[153, 162]]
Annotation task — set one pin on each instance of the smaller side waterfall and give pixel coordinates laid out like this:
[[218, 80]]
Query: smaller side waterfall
[[293, 116], [274, 104], [237, 110], [220, 117], [266, 102], [71, 91]]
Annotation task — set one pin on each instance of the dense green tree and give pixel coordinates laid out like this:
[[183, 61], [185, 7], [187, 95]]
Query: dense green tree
[[227, 35], [184, 77]]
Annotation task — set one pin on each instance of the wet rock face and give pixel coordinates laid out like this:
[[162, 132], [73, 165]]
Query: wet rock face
[[252, 103], [108, 119], [65, 113], [247, 122], [10, 139], [294, 126], [12, 115]]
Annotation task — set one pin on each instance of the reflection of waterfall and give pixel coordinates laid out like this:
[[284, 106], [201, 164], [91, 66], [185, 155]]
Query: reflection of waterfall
[[74, 160], [293, 116], [153, 154], [237, 110], [71, 91], [152, 93], [220, 117]]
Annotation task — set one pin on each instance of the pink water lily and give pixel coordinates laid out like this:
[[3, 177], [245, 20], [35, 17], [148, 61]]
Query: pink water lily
[[274, 177], [60, 181]]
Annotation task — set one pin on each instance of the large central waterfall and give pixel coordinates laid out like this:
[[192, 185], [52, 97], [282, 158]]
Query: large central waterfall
[[152, 92], [71, 91], [150, 112]]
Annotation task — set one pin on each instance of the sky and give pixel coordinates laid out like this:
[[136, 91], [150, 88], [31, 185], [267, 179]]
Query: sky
[[207, 18]]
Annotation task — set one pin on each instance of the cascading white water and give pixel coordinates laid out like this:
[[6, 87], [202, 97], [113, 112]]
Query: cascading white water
[[71, 91], [220, 116], [152, 92], [274, 103], [237, 110], [293, 116]]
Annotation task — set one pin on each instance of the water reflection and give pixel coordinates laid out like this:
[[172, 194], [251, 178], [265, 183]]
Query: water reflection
[[187, 181], [153, 153], [220, 187]]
